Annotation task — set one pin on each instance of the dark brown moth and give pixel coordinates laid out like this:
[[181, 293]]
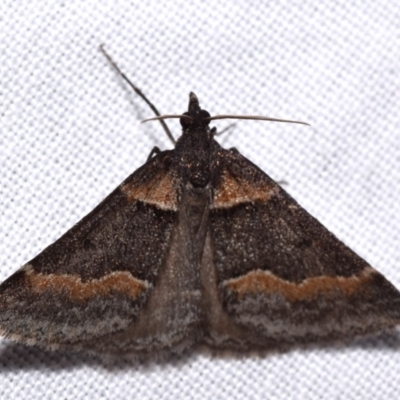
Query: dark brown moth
[[198, 246]]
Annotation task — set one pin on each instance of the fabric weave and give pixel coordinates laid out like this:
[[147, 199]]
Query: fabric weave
[[71, 132]]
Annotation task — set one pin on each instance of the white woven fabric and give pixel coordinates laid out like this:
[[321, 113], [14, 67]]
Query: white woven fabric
[[71, 132]]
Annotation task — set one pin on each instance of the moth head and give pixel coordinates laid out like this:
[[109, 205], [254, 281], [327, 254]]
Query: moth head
[[195, 115]]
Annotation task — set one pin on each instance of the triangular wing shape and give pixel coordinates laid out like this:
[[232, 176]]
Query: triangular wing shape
[[281, 275], [95, 279]]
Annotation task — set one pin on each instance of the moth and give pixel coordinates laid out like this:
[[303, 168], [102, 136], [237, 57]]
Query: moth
[[197, 246]]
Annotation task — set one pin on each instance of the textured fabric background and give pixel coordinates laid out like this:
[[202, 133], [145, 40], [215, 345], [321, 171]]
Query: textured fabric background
[[71, 132]]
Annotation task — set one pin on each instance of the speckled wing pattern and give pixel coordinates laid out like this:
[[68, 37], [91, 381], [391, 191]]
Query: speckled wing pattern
[[281, 275], [198, 246], [95, 279]]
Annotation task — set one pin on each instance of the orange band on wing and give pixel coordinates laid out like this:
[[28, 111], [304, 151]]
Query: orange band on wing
[[232, 191], [160, 192], [264, 282], [72, 285]]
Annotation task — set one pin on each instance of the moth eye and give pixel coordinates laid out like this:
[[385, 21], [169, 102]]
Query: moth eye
[[205, 114], [186, 122]]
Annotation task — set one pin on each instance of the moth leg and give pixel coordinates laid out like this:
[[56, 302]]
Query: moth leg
[[156, 150], [228, 128], [282, 183]]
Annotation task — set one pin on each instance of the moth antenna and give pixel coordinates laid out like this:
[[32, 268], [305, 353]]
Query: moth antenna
[[167, 116], [255, 117], [138, 92]]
